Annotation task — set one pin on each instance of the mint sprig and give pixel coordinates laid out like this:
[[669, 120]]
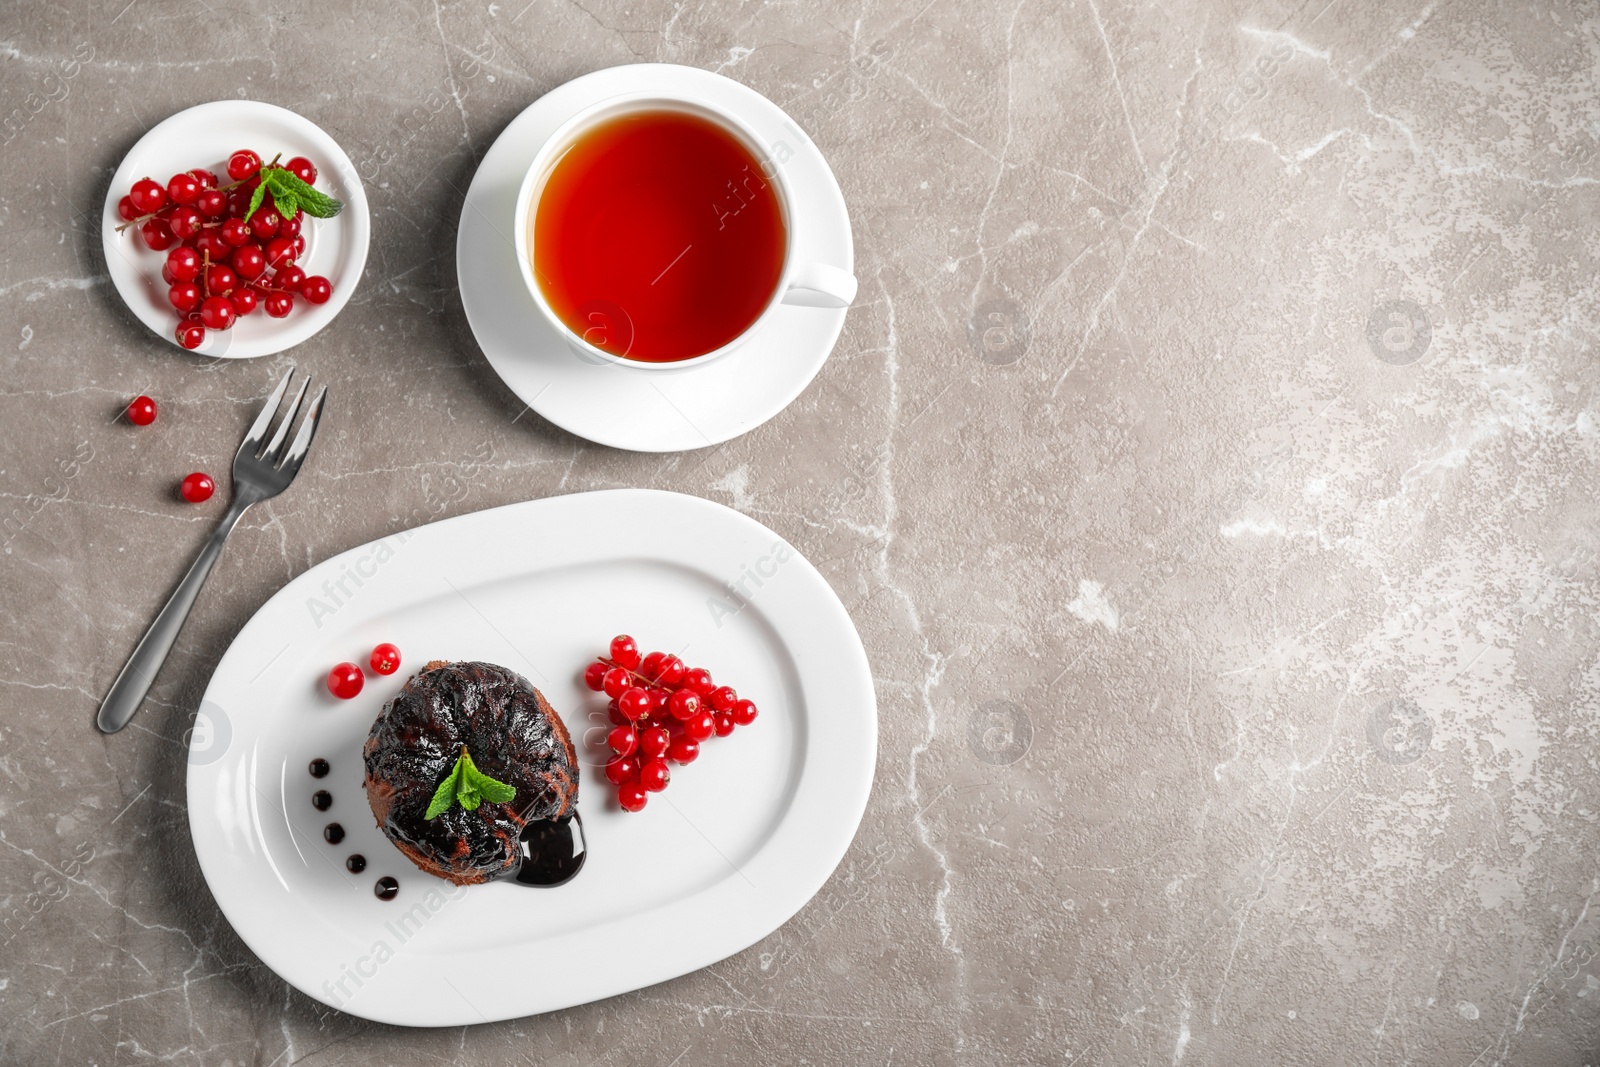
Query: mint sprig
[[291, 194], [469, 787]]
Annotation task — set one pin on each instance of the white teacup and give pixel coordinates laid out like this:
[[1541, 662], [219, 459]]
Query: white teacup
[[800, 283]]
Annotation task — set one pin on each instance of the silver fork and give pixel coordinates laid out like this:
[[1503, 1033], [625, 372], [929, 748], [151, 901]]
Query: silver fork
[[259, 473]]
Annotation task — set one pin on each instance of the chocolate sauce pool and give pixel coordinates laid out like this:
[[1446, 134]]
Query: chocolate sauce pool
[[553, 850]]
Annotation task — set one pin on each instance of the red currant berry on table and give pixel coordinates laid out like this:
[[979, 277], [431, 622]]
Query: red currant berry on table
[[182, 189], [206, 179], [654, 774], [625, 651], [141, 410], [743, 712], [242, 164], [235, 232], [244, 300], [594, 675], [623, 740], [210, 243], [280, 252], [221, 280], [302, 168], [700, 726], [248, 262], [157, 237], [683, 750], [191, 335], [185, 296], [722, 723], [290, 279], [211, 203], [183, 263], [723, 698], [197, 487], [634, 703], [386, 657], [185, 223], [683, 704], [264, 223], [622, 769], [147, 196], [653, 742], [278, 304], [651, 667], [127, 210], [345, 681], [631, 797], [616, 681], [672, 672], [699, 680], [290, 227], [316, 289], [216, 313]]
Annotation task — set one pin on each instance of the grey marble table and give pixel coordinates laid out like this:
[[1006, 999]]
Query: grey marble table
[[1209, 465]]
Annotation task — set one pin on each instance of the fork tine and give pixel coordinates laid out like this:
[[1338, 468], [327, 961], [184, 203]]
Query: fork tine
[[308, 430], [252, 440], [269, 455]]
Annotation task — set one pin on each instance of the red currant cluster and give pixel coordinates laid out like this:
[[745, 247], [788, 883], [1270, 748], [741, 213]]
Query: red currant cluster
[[661, 710], [222, 258]]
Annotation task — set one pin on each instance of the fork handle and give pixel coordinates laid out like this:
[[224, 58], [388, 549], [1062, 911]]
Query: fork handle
[[129, 690]]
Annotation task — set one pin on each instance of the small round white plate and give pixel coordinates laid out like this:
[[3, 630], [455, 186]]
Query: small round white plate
[[647, 410], [739, 841], [205, 136]]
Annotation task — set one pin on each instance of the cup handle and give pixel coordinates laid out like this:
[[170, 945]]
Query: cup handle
[[817, 285]]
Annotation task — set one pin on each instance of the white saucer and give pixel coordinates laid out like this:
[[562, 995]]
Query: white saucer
[[205, 136], [647, 411]]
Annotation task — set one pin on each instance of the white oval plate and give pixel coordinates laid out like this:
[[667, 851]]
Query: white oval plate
[[649, 410], [205, 136], [740, 840]]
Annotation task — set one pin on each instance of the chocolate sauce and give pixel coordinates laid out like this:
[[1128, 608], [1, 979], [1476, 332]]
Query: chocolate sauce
[[333, 833], [319, 768], [552, 851], [356, 863], [387, 888], [322, 800]]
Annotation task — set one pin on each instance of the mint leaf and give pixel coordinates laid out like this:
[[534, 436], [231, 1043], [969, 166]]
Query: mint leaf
[[469, 787], [285, 204], [312, 201], [255, 200]]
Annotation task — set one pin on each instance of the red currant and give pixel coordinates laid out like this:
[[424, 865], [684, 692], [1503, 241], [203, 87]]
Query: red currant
[[239, 205], [243, 299], [615, 714], [699, 680], [206, 179], [182, 189], [290, 279], [147, 196], [722, 723], [185, 296], [301, 168], [211, 203], [290, 227], [126, 208], [654, 774], [221, 280], [242, 164], [683, 750], [141, 410], [185, 223], [197, 487], [621, 769], [385, 658], [210, 243], [594, 675], [672, 672], [683, 704], [631, 797], [183, 263], [623, 740], [236, 232], [653, 742], [248, 262], [299, 243], [634, 702], [700, 726], [743, 712], [264, 223], [616, 681], [191, 335], [280, 252], [216, 313], [316, 289], [651, 666], [278, 304], [625, 651], [722, 698], [345, 681], [157, 237]]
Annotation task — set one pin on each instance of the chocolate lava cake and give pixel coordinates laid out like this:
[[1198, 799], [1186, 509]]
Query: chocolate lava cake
[[511, 733]]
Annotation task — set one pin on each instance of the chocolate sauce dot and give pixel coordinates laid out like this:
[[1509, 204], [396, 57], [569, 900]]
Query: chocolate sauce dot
[[387, 888], [319, 768], [356, 863], [322, 800], [333, 833], [552, 851]]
